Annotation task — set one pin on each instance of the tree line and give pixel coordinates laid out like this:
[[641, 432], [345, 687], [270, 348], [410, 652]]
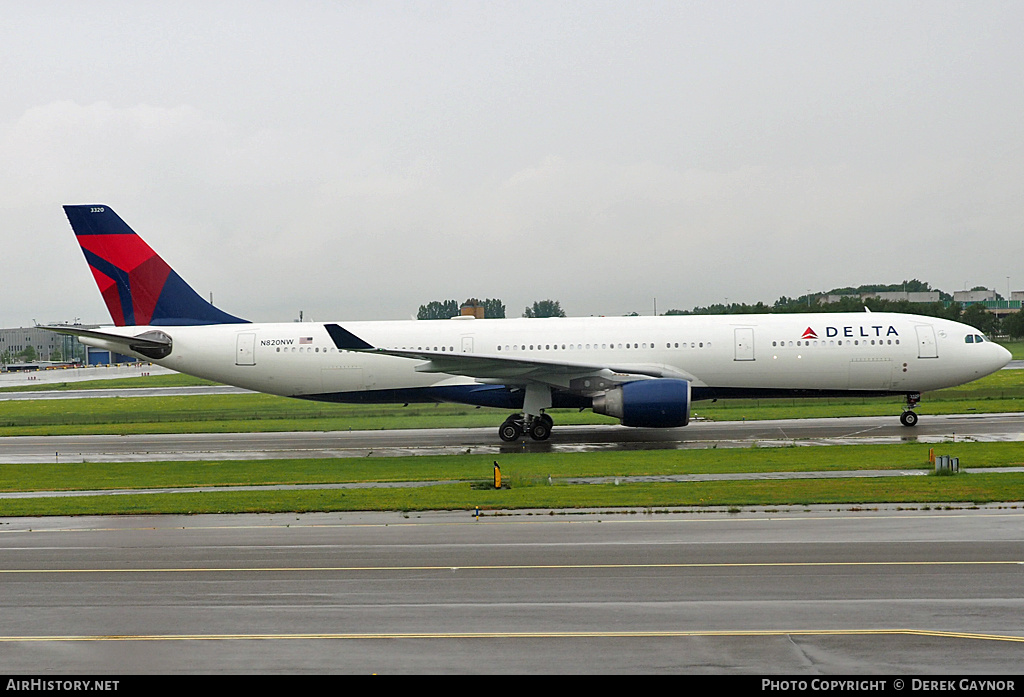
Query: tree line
[[975, 314], [493, 309]]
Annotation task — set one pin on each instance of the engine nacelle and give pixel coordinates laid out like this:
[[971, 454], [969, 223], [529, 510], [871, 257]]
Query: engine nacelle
[[658, 403]]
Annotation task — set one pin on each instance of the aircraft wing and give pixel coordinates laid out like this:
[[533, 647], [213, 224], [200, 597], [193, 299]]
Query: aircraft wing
[[513, 370]]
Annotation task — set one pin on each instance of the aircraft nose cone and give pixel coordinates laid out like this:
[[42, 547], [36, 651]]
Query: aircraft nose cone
[[1003, 356]]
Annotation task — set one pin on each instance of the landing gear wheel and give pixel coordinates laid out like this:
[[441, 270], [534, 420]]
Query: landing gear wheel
[[510, 431], [540, 429], [908, 418]]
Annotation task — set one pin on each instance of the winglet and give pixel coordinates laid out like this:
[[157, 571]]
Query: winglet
[[346, 340], [137, 285]]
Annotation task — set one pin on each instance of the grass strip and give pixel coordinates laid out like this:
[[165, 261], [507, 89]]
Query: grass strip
[[526, 466], [964, 488], [528, 474]]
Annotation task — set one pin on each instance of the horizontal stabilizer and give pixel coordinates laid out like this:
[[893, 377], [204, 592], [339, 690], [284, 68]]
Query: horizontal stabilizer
[[151, 344]]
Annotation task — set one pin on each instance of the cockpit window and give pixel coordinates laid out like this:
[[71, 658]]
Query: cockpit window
[[978, 338], [969, 339], [974, 339]]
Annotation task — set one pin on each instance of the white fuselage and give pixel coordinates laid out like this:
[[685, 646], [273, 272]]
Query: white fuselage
[[870, 352]]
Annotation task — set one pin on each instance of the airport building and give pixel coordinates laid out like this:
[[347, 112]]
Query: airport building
[[986, 298], [38, 344], [25, 346], [931, 296], [966, 297], [990, 301]]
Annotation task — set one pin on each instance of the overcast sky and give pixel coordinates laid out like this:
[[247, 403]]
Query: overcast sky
[[355, 160]]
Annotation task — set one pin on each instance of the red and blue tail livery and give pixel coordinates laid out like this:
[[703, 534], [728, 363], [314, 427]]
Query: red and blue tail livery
[[137, 285]]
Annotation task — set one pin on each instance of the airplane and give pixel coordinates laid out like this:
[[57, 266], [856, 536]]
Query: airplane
[[644, 371]]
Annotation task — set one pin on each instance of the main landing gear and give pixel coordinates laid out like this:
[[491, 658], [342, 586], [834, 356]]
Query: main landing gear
[[909, 417], [538, 427]]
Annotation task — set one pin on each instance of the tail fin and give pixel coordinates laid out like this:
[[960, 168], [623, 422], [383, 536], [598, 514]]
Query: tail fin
[[137, 285]]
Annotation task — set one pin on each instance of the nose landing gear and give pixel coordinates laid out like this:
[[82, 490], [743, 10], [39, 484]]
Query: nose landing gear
[[909, 417]]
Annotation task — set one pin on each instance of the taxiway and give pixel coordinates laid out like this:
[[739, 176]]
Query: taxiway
[[202, 446], [803, 590]]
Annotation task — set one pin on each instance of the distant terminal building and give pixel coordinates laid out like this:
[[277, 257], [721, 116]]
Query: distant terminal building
[[990, 301], [967, 297], [95, 356], [829, 298], [931, 296], [32, 345], [38, 343], [928, 296], [999, 308]]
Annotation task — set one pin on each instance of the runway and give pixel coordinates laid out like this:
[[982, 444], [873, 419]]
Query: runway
[[37, 395], [802, 590], [807, 591], [86, 373], [221, 446]]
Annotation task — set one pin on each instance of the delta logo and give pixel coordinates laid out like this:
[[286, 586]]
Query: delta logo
[[875, 330]]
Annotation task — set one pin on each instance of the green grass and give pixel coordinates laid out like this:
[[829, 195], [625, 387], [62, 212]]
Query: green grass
[[965, 488], [523, 466], [528, 475], [1014, 347]]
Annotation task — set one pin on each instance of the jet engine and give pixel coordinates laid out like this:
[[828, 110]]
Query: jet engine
[[657, 403]]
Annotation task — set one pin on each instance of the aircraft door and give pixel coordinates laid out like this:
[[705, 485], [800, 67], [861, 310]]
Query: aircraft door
[[245, 349], [744, 344], [467, 344], [926, 347]]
